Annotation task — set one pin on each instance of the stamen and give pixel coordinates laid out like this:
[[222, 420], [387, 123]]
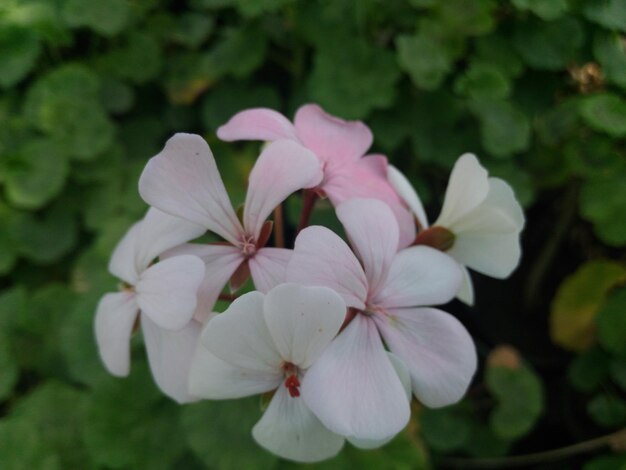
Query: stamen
[[292, 383]]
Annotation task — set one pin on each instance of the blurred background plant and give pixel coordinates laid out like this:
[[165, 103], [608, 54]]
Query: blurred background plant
[[91, 89]]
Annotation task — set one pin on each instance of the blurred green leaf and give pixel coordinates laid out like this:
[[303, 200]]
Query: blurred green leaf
[[445, 429], [425, 59], [611, 323], [520, 400], [549, 45], [607, 462], [19, 50], [504, 129], [107, 17], [618, 371], [603, 202], [137, 59], [498, 52], [21, 447], [483, 81], [237, 53], [605, 112], [578, 301], [610, 51], [607, 410], [587, 371], [116, 96], [208, 425], [609, 13], [546, 10]]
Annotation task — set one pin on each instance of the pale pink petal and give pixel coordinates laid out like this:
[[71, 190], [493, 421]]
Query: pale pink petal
[[115, 318], [122, 263], [363, 179], [466, 293], [406, 191], [436, 348], [353, 388], [329, 137], [214, 379], [405, 378], [373, 233], [257, 124], [268, 267], [159, 232], [321, 258], [289, 430], [169, 355], [501, 195], [495, 255], [420, 275], [240, 336], [282, 168], [467, 188], [166, 291], [183, 181], [303, 320]]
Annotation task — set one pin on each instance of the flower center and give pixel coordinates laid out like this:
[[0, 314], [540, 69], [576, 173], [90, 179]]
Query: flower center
[[248, 247], [292, 382]]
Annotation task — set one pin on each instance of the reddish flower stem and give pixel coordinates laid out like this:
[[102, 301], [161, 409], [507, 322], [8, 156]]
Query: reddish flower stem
[[310, 198], [228, 297], [279, 227]]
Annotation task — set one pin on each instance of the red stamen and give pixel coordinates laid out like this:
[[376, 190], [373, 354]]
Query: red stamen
[[292, 383]]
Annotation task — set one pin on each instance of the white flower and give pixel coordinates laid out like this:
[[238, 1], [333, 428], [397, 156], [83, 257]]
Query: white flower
[[482, 216], [266, 342], [164, 293]]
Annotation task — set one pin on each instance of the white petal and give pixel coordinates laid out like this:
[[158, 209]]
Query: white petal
[[220, 261], [115, 318], [419, 276], [406, 191], [467, 188], [494, 255], [405, 378], [159, 232], [240, 336], [303, 320], [436, 348], [166, 291], [257, 124], [122, 263], [501, 195], [374, 235], [353, 388], [321, 258], [466, 293], [283, 168], [169, 355], [268, 267], [291, 431], [214, 379], [183, 181]]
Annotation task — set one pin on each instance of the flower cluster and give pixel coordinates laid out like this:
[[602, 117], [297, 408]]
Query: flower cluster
[[341, 334]]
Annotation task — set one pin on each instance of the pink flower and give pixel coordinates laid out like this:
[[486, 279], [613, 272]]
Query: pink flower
[[340, 146], [263, 343], [164, 293], [353, 388], [183, 180]]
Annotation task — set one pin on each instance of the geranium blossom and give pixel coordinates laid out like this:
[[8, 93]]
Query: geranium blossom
[[353, 388], [340, 146], [264, 343], [481, 215], [164, 293], [183, 180]]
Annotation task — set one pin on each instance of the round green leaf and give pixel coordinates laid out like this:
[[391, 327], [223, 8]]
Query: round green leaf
[[603, 202], [610, 51], [612, 323], [547, 10], [609, 13], [424, 58], [504, 129], [107, 17], [483, 81], [445, 429], [605, 112], [19, 50], [587, 371], [607, 410]]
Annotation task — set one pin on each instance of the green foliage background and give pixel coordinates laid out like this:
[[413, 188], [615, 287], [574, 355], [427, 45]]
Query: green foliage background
[[89, 90]]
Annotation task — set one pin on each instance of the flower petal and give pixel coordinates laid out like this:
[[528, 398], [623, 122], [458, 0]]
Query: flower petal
[[282, 168], [321, 258], [257, 124], [115, 318], [220, 261], [466, 293], [330, 137], [166, 291], [373, 233], [291, 431], [303, 320], [158, 232], [436, 348], [268, 267], [467, 188], [169, 355], [122, 263], [183, 181], [240, 336], [353, 388], [405, 378], [420, 275], [494, 255], [214, 379], [406, 191]]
